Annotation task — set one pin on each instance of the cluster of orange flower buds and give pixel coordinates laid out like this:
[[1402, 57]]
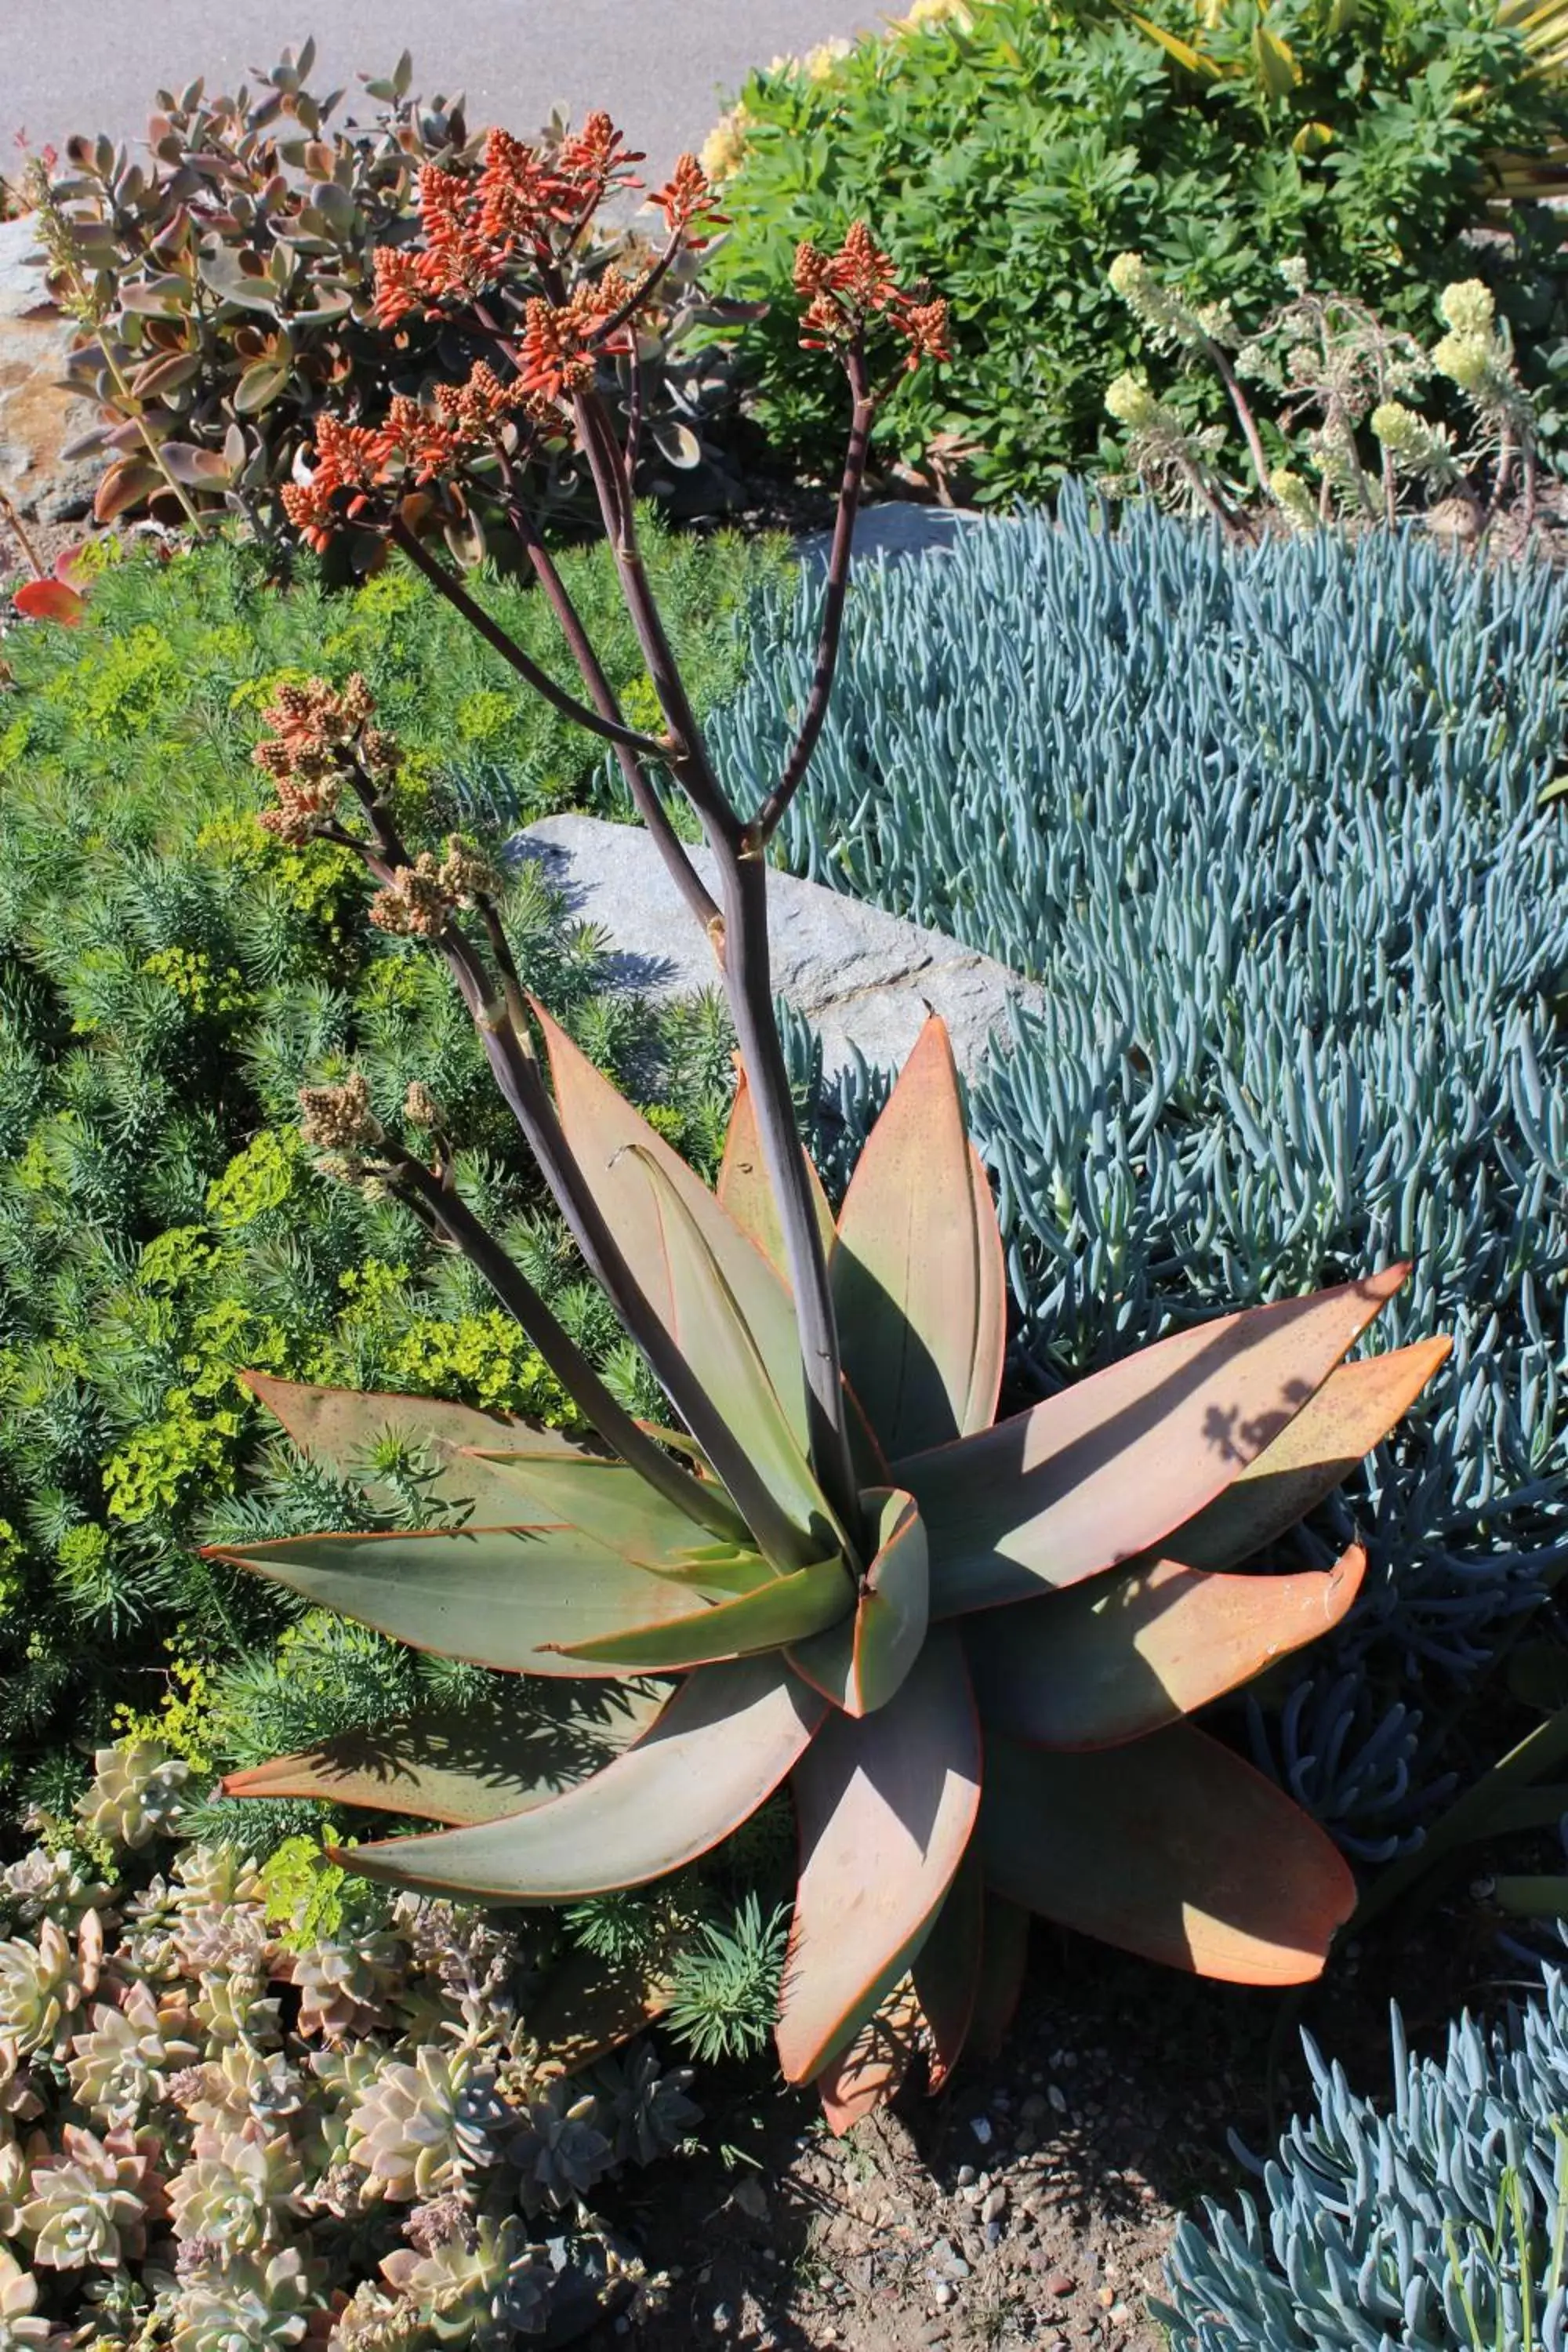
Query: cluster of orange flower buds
[[319, 733], [412, 447], [845, 291]]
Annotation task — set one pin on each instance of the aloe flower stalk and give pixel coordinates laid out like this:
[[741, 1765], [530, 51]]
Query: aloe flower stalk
[[967, 1646]]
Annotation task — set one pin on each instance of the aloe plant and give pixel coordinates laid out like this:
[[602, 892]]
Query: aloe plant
[[968, 1646]]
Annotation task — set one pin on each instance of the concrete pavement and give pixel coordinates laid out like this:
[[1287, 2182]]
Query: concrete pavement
[[661, 66]]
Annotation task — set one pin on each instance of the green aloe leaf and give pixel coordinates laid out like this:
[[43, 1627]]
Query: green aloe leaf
[[784, 1609], [340, 1426], [1102, 1472], [609, 1138], [714, 1329], [1171, 1847], [609, 1501], [510, 1751], [885, 1808], [1122, 1656], [862, 1660], [495, 1596], [919, 1285], [1353, 1412], [718, 1749]]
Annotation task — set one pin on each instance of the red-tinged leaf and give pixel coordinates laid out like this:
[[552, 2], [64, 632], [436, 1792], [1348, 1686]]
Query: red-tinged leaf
[[876, 2063], [862, 1660], [165, 373], [504, 1597], [606, 1134], [1003, 1960], [919, 1285], [588, 2006], [746, 1195], [1354, 1409], [885, 1808], [130, 482], [783, 1610], [340, 1426], [719, 1750], [947, 1969], [50, 600], [499, 1755], [1103, 1472], [198, 470], [1171, 1847], [1123, 1656]]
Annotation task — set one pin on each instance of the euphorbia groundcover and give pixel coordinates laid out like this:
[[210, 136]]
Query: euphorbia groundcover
[[968, 1646]]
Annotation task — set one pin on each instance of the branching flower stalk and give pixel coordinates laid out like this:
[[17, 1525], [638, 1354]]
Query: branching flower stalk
[[410, 477]]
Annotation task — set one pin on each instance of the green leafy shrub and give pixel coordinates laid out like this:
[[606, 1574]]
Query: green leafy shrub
[[169, 975], [243, 2103], [1011, 150]]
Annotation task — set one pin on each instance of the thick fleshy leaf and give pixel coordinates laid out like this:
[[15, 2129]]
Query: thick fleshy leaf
[[1003, 1960], [784, 1609], [746, 1194], [947, 1969], [1106, 1469], [469, 1763], [607, 1500], [589, 2006], [50, 600], [1171, 1847], [1136, 1649], [718, 1750], [861, 1662], [495, 1596], [606, 1134], [714, 1330], [340, 1426], [876, 2063], [1353, 1412], [919, 1285], [885, 1808]]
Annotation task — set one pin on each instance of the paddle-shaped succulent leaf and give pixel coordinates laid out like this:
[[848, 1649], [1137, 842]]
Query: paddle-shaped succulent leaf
[[974, 1683]]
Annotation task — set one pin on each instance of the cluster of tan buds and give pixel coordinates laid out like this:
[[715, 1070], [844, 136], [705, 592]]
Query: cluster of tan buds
[[845, 291], [339, 1119], [420, 1107], [319, 732], [418, 900]]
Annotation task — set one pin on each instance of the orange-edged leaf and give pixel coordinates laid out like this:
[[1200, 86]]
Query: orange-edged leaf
[[783, 1610], [718, 1750], [1003, 1960], [1106, 1469], [500, 1754], [746, 1194], [919, 1285], [340, 1427], [50, 600], [494, 1596], [1119, 1658], [588, 2006], [1354, 1409], [1171, 1847], [885, 1808], [129, 482], [861, 1662], [607, 1136], [876, 2063], [607, 1500], [713, 1332], [947, 1969]]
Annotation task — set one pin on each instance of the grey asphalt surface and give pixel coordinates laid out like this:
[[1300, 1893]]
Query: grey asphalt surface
[[661, 66]]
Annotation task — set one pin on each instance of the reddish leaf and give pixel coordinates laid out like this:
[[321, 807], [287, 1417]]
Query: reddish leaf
[[918, 1284], [719, 1750], [876, 2063], [50, 600], [746, 1194], [588, 2006], [861, 1662], [947, 1969], [885, 1807], [1171, 1847], [1136, 1649], [129, 482], [1103, 1471], [1004, 1958]]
